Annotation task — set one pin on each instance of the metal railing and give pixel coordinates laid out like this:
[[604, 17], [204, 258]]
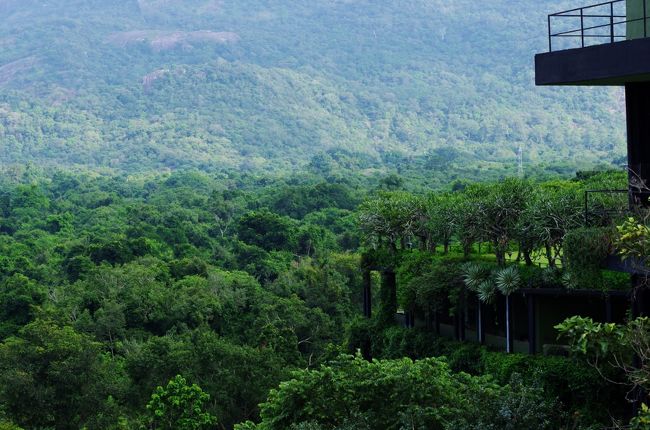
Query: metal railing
[[601, 23]]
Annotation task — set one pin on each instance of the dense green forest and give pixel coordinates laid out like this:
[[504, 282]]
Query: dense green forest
[[253, 215], [433, 89], [183, 301]]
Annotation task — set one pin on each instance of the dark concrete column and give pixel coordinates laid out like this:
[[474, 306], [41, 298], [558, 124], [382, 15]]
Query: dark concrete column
[[462, 309], [436, 318], [640, 297], [640, 308], [367, 294], [637, 103], [532, 338], [609, 313], [480, 324], [388, 293], [509, 328]]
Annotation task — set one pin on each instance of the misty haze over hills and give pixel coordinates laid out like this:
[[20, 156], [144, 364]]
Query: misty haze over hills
[[279, 85]]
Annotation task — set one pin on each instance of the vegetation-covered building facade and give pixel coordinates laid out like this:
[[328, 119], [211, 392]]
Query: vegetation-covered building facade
[[493, 292]]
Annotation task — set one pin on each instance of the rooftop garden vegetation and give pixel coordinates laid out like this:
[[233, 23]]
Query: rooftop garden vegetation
[[518, 234]]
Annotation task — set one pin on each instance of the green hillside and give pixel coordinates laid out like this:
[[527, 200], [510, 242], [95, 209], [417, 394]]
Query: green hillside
[[134, 86]]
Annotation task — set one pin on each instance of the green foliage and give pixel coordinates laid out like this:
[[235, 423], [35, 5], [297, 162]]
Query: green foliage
[[51, 376], [586, 336], [486, 281], [145, 279], [508, 280], [576, 385], [19, 298], [111, 286], [478, 278], [500, 207], [520, 406], [612, 346], [179, 406], [429, 283], [391, 218], [633, 242], [267, 230], [585, 250], [401, 394], [277, 87], [642, 420]]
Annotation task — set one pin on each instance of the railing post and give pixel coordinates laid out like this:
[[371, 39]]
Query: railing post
[[586, 208], [611, 21], [582, 27], [550, 39], [645, 19]]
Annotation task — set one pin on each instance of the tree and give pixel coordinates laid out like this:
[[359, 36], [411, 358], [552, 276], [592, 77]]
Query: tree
[[551, 214], [507, 281], [267, 230], [393, 218], [468, 221], [19, 297], [440, 219], [623, 347], [478, 278], [179, 406], [610, 344], [401, 394], [52, 376], [633, 242], [500, 207]]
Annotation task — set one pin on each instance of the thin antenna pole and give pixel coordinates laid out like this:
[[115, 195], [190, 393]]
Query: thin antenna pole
[[520, 161]]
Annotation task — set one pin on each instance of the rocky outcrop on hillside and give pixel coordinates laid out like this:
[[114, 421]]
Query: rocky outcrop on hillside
[[168, 40], [10, 70]]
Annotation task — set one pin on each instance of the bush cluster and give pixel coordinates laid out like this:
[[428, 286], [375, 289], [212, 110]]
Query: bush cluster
[[579, 388]]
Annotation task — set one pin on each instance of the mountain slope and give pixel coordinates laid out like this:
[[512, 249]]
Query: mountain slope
[[250, 84]]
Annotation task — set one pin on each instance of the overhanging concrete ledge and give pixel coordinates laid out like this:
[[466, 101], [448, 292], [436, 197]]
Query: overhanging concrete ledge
[[610, 64]]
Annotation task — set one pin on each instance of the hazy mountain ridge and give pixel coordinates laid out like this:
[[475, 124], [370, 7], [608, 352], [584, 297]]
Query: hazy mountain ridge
[[269, 84]]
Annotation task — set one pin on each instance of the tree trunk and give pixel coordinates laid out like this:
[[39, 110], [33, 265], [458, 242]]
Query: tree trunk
[[549, 255], [500, 253], [467, 249], [432, 247], [527, 258]]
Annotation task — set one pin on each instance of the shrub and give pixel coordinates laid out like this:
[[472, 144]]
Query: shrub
[[397, 394], [575, 384], [585, 250], [359, 335], [179, 406]]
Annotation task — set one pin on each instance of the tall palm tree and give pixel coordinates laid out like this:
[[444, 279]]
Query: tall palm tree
[[507, 282], [477, 278]]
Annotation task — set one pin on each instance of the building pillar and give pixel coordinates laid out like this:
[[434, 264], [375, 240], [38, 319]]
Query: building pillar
[[480, 323], [637, 106], [509, 340], [436, 322], [462, 314], [388, 293], [640, 296], [367, 294], [532, 334]]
